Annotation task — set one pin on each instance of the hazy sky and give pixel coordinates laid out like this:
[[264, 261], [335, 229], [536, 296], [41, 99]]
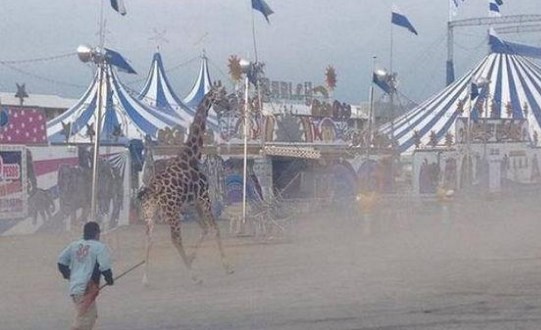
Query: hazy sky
[[303, 38]]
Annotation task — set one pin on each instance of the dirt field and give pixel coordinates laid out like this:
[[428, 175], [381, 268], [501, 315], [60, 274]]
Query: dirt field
[[423, 267]]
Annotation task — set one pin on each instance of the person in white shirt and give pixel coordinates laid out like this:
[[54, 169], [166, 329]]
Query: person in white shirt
[[83, 262]]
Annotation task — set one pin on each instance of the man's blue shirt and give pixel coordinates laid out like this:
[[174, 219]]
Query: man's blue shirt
[[81, 257]]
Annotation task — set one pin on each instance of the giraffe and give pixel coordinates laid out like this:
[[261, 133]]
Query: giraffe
[[181, 183]]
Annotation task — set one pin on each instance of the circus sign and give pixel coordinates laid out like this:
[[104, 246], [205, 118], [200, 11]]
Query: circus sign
[[9, 171], [13, 196], [286, 90]]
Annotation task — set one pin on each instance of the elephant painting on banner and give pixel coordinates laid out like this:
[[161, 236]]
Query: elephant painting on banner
[[75, 190], [41, 203]]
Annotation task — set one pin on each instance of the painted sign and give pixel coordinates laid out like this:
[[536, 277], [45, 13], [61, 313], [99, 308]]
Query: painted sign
[[286, 90], [13, 177]]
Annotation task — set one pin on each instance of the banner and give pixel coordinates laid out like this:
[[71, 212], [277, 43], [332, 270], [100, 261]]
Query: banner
[[13, 179]]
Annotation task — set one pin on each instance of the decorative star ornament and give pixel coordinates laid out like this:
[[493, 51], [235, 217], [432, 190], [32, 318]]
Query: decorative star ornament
[[66, 130], [21, 93]]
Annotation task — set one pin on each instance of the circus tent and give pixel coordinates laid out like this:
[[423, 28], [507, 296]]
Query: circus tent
[[513, 90], [157, 92], [200, 88], [123, 116]]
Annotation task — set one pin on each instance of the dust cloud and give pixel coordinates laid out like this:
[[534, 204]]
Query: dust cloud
[[407, 263]]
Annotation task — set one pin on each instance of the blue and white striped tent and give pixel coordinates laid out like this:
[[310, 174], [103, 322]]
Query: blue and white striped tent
[[200, 88], [514, 83], [157, 92], [123, 116]]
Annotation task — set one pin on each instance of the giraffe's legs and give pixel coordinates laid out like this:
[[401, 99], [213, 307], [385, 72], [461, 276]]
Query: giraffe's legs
[[148, 209], [206, 220], [204, 231], [150, 227], [176, 238]]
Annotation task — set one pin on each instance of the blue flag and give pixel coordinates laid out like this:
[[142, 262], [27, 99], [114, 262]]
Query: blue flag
[[381, 83], [479, 87], [401, 20], [114, 58], [493, 9], [478, 90], [499, 2], [474, 91], [118, 5], [261, 5]]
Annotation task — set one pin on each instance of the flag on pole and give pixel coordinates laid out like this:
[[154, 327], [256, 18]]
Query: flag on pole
[[381, 83], [118, 5], [478, 90], [494, 39], [400, 19], [474, 91], [499, 2], [116, 59], [493, 9], [261, 6]]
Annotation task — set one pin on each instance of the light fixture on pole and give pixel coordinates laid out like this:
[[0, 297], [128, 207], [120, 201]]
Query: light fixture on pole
[[96, 55], [246, 68], [387, 82], [371, 112]]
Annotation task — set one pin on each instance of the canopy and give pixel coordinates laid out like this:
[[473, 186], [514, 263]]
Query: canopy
[[513, 91], [158, 93], [200, 88], [123, 116]]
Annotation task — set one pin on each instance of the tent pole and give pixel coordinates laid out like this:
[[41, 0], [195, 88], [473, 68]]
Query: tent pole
[[469, 174], [245, 160], [95, 158], [371, 110]]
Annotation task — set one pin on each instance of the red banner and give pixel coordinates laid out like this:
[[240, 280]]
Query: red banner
[[13, 195]]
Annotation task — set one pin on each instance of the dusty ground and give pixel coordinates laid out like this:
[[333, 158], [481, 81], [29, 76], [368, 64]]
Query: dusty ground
[[422, 267]]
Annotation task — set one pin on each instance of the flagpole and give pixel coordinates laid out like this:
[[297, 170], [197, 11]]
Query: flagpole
[[95, 157], [487, 115], [253, 35], [102, 37], [371, 110], [450, 9], [468, 138], [245, 151], [392, 89], [391, 100]]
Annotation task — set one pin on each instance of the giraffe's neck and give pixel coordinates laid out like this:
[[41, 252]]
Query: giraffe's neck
[[194, 143]]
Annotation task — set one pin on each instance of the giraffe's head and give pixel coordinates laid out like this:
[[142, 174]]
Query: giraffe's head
[[217, 98]]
